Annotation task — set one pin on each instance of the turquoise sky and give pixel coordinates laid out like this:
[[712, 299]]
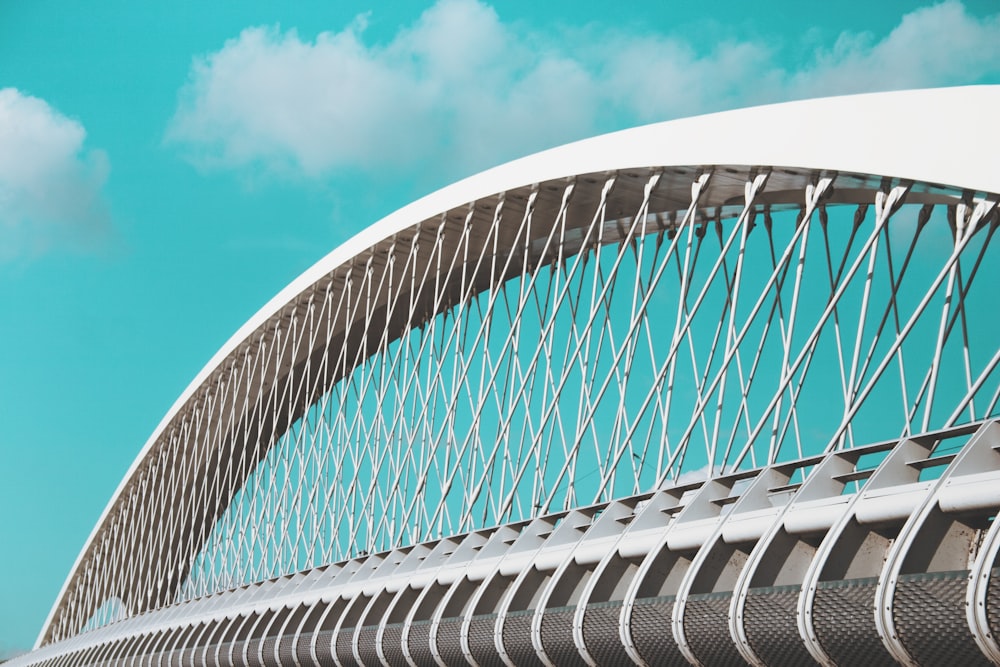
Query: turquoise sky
[[166, 168]]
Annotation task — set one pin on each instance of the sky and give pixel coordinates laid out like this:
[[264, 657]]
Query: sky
[[166, 168]]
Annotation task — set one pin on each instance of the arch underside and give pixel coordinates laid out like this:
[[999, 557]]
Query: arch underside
[[594, 342]]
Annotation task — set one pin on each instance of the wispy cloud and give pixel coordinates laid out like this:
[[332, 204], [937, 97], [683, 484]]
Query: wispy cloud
[[50, 186], [932, 46], [703, 473], [462, 90]]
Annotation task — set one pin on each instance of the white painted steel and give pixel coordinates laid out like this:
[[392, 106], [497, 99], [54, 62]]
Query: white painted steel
[[974, 456], [592, 323], [240, 615]]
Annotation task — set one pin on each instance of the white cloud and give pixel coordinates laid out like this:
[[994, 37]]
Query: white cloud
[[701, 474], [50, 188], [458, 85], [462, 90], [932, 46]]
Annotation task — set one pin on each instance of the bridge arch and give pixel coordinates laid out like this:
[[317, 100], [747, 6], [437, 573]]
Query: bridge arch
[[599, 321]]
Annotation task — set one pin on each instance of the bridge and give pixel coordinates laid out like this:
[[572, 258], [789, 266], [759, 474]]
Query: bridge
[[716, 391]]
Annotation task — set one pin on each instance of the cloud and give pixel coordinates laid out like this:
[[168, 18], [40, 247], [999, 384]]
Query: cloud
[[701, 474], [458, 85], [932, 46], [461, 90], [50, 187]]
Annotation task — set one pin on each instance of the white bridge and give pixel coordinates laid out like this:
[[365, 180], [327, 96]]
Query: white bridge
[[715, 391]]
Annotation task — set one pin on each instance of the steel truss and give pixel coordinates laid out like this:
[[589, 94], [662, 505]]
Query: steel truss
[[597, 344], [884, 553]]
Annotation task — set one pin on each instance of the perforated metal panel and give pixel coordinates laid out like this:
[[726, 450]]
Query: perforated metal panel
[[187, 658], [285, 654], [324, 647], [366, 645], [517, 639], [449, 643], [392, 645], [345, 651], [481, 641], [268, 652], [557, 637], [251, 646], [223, 651], [769, 620], [201, 657], [600, 634], [706, 627], [844, 620], [651, 631], [419, 643], [929, 615]]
